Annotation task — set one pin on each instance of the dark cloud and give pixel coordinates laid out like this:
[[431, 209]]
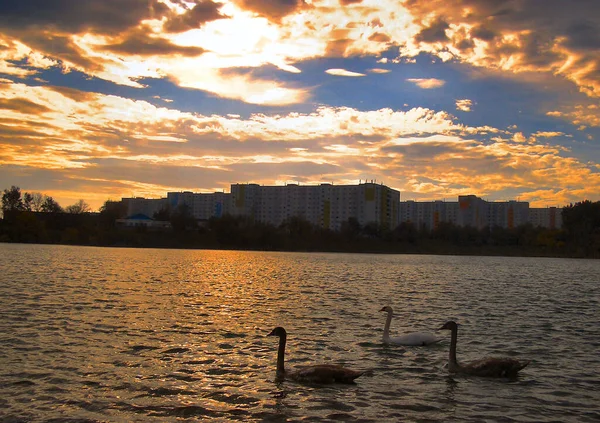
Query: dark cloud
[[291, 170], [337, 48], [139, 43], [380, 37], [73, 93], [202, 12], [158, 174], [272, 9], [61, 47], [583, 35], [23, 105], [483, 33], [103, 16], [434, 33], [16, 135], [425, 151]]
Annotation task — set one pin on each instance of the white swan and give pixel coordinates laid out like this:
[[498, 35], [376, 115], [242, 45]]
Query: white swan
[[414, 338]]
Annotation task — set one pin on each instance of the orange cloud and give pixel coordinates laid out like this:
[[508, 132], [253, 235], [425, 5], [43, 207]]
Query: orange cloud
[[464, 105], [81, 138], [427, 84], [500, 35]]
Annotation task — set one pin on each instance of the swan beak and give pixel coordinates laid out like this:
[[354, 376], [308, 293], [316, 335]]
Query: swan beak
[[382, 309], [272, 333]]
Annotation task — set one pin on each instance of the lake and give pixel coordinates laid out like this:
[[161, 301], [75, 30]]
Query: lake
[[122, 335]]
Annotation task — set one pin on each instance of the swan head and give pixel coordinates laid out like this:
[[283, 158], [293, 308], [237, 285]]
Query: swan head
[[449, 325], [387, 309], [278, 331]]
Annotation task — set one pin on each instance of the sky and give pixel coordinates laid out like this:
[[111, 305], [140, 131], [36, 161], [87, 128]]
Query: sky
[[107, 99]]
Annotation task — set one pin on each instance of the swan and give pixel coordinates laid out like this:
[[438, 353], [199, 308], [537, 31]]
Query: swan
[[414, 338], [489, 367], [321, 373]]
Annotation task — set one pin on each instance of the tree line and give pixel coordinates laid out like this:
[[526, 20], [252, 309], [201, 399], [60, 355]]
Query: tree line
[[32, 218], [15, 201]]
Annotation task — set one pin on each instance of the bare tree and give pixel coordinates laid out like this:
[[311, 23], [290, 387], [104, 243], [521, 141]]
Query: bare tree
[[78, 208], [37, 199]]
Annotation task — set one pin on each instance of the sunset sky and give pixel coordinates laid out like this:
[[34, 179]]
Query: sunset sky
[[438, 98]]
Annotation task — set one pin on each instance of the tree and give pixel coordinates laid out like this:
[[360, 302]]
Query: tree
[[11, 200], [581, 222], [50, 206], [111, 211], [163, 214], [37, 199], [78, 208], [182, 218], [27, 200], [351, 229]]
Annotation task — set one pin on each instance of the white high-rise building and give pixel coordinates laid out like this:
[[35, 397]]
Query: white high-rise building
[[325, 205], [508, 214], [428, 214], [549, 217]]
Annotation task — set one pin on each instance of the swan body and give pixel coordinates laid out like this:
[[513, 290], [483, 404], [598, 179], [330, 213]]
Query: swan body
[[320, 373], [409, 339], [487, 367]]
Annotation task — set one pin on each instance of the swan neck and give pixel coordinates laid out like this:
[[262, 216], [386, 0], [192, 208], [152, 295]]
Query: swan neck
[[281, 354], [452, 358], [386, 329]]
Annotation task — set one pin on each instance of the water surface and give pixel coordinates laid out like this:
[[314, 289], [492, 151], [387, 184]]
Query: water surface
[[106, 334]]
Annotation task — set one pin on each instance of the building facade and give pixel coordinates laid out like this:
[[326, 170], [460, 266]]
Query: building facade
[[202, 206], [429, 214], [326, 205], [549, 217], [329, 206], [478, 213]]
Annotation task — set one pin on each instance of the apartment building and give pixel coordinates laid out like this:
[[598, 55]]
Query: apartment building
[[202, 206], [478, 213], [324, 205], [429, 214], [549, 217], [329, 206]]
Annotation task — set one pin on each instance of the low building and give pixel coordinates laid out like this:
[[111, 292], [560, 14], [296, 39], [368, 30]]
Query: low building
[[142, 221]]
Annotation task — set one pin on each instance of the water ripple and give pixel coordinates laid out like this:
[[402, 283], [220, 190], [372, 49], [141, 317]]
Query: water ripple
[[102, 335]]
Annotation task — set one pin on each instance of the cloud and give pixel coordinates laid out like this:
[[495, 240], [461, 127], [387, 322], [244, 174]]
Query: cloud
[[343, 72], [434, 32], [201, 13], [583, 115], [427, 84], [464, 105], [379, 70], [61, 15], [149, 149], [272, 9], [140, 43], [22, 105], [548, 134], [514, 37], [148, 39]]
